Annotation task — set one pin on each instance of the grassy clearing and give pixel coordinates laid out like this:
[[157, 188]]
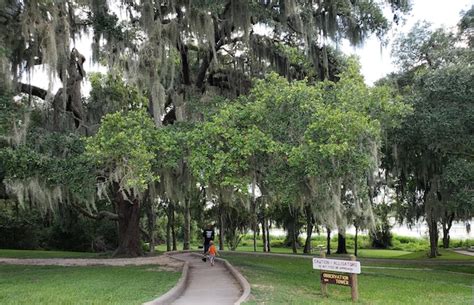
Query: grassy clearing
[[83, 285], [381, 253], [283, 280], [47, 254], [403, 247], [406, 255], [402, 243], [362, 253], [445, 255]]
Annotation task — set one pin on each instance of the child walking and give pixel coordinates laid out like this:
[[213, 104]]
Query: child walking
[[212, 252]]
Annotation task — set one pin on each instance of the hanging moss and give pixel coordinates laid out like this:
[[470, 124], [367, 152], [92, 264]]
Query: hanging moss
[[240, 16], [32, 190]]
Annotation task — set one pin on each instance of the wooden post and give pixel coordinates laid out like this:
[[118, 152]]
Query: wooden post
[[324, 286], [354, 288]]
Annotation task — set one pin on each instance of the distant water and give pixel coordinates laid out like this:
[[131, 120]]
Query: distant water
[[458, 231]]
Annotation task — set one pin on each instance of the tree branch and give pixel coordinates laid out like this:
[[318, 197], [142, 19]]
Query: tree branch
[[145, 233], [183, 50], [33, 90], [100, 215], [206, 62]]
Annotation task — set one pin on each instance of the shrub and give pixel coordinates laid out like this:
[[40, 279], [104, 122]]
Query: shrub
[[277, 243]]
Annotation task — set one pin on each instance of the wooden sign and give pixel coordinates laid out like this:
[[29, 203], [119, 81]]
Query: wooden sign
[[352, 267], [335, 278], [336, 265]]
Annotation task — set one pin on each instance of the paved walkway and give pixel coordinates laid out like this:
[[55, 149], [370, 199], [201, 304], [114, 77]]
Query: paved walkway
[[207, 284], [465, 252]]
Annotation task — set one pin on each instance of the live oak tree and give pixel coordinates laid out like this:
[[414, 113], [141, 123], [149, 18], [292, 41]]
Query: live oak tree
[[222, 154], [179, 54], [123, 153], [329, 139], [424, 153]]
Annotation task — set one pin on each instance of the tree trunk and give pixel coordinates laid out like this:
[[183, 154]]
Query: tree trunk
[[307, 245], [341, 242], [173, 229], [254, 239], [151, 225], [309, 229], [292, 233], [254, 215], [187, 224], [328, 241], [264, 234], [221, 228], [447, 223], [129, 229], [267, 223], [355, 240], [168, 227], [433, 233]]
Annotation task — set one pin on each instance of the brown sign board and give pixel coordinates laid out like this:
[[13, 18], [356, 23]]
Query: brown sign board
[[335, 278]]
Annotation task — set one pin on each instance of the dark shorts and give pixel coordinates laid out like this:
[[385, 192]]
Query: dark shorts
[[206, 247]]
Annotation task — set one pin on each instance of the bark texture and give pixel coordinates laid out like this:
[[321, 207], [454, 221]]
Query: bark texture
[[129, 228], [341, 244]]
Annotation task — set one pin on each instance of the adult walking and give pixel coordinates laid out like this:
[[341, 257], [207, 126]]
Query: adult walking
[[207, 235]]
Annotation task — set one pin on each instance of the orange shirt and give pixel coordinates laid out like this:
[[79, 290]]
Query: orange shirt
[[212, 250]]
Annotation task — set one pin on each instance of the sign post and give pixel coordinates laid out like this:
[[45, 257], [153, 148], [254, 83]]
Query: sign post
[[354, 287], [324, 286], [339, 266]]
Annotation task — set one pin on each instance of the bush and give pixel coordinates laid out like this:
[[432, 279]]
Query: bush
[[18, 228], [145, 246], [381, 238], [62, 229], [277, 243]]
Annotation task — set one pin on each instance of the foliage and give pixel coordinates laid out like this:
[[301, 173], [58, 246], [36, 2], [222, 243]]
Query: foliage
[[12, 114], [423, 151], [222, 149], [466, 26], [123, 149], [178, 54], [47, 167], [60, 228], [381, 236]]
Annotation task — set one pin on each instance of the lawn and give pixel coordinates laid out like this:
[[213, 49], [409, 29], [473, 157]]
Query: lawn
[[284, 280], [363, 253], [380, 253], [46, 254], [83, 285], [445, 255]]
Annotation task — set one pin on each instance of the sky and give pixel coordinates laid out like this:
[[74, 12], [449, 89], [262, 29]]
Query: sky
[[376, 61]]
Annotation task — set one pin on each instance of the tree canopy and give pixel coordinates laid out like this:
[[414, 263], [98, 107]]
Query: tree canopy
[[201, 100]]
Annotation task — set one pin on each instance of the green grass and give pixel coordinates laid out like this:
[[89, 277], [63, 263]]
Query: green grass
[[53, 285], [445, 255], [363, 253], [283, 280], [380, 253], [46, 254], [407, 255]]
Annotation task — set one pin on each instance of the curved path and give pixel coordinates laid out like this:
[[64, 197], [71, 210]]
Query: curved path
[[161, 260], [207, 284]]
